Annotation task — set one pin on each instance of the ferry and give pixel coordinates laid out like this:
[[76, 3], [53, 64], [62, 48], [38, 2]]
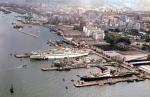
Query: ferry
[[60, 54]]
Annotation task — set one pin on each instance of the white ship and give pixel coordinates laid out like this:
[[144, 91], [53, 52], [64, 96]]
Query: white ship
[[59, 54]]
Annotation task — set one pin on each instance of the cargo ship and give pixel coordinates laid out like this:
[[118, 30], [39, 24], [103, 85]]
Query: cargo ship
[[100, 76], [95, 76]]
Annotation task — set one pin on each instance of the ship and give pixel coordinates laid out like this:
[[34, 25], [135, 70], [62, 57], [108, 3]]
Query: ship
[[39, 57], [102, 76], [96, 76], [59, 54]]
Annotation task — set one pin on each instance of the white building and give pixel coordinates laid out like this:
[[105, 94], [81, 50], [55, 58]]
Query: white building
[[96, 33]]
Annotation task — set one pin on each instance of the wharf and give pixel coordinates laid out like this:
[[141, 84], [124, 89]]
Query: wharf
[[108, 81]]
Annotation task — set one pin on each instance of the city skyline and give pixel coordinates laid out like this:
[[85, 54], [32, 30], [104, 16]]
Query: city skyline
[[133, 4]]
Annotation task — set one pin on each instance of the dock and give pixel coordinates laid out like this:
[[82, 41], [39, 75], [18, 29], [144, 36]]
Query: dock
[[107, 81]]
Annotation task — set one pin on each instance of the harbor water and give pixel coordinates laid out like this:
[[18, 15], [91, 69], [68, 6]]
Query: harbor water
[[32, 82]]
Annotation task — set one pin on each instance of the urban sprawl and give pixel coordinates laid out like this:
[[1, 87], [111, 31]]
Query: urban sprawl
[[115, 41]]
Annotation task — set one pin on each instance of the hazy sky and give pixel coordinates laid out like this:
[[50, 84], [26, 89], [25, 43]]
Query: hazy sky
[[134, 4]]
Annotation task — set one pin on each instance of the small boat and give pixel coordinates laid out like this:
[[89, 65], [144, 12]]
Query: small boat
[[66, 87], [138, 80], [24, 66], [112, 83], [63, 79], [18, 26], [78, 75], [72, 80], [11, 89], [26, 55], [130, 81]]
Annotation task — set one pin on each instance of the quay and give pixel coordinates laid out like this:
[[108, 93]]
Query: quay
[[107, 82]]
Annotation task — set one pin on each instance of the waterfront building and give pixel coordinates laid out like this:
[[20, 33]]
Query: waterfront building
[[126, 55]]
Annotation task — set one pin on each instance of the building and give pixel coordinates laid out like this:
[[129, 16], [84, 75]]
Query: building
[[126, 55], [96, 33], [98, 36]]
